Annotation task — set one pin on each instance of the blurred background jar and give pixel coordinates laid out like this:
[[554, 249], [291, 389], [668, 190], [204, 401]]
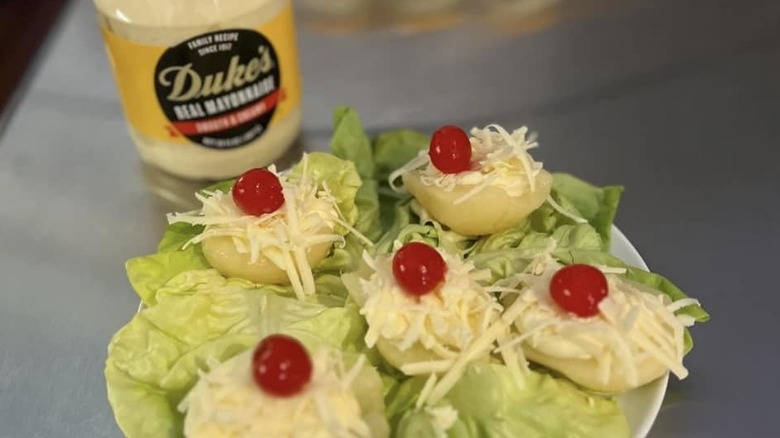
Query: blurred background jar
[[336, 16], [210, 88], [527, 16], [418, 16]]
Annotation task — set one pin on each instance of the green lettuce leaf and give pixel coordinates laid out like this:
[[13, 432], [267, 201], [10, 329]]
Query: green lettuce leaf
[[222, 186], [200, 317], [342, 259], [509, 252], [395, 215], [598, 205], [401, 216], [358, 203], [148, 274], [176, 235], [409, 224], [489, 404], [367, 201], [350, 141], [340, 176], [393, 149]]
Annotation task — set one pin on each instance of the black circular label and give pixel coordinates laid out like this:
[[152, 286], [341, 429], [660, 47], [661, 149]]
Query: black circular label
[[219, 89]]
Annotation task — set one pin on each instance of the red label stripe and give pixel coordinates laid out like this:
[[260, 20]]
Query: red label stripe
[[230, 120]]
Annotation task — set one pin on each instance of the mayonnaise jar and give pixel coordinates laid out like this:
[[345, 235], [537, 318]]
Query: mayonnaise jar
[[210, 88]]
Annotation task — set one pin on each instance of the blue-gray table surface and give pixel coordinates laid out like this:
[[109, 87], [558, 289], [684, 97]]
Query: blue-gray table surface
[[676, 100]]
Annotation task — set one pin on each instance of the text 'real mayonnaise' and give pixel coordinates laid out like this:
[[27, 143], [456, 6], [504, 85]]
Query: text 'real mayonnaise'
[[210, 88]]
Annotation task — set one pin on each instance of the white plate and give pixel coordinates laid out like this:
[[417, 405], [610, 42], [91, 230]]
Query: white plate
[[641, 405]]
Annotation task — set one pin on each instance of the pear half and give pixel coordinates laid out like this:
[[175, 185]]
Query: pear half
[[490, 211], [222, 255], [585, 372]]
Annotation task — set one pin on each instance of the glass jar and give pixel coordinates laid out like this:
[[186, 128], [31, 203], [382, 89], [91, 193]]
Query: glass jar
[[210, 88]]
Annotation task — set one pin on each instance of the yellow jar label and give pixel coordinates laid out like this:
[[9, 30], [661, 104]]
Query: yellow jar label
[[220, 89]]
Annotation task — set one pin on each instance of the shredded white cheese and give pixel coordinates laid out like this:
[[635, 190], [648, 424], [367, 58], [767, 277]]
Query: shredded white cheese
[[683, 303], [426, 367], [442, 419], [557, 207], [481, 345], [632, 325], [426, 389], [444, 322], [227, 403], [499, 159], [309, 216], [457, 323]]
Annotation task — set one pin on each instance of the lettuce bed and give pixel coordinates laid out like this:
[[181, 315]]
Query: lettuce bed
[[193, 316]]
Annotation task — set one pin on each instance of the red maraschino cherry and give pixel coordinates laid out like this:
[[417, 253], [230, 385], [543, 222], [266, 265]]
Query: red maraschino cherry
[[418, 268], [281, 366], [257, 192], [579, 289], [450, 150]]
